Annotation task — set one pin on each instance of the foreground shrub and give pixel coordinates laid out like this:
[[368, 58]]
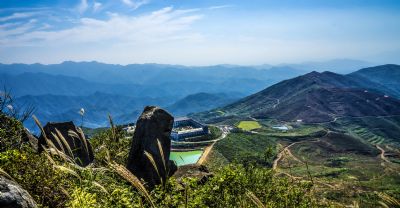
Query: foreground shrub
[[36, 174], [11, 133], [236, 186]]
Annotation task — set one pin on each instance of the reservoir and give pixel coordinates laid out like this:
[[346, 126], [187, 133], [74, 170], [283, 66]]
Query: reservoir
[[185, 158]]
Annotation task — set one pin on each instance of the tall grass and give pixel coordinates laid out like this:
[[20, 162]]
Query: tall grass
[[387, 200], [153, 163], [113, 131], [5, 174], [64, 151], [131, 178], [255, 199]]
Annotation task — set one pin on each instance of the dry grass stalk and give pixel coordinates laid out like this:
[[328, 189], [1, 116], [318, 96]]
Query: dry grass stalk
[[162, 155], [4, 173], [153, 162], [83, 140], [72, 134], [61, 137], [388, 200], [65, 192], [255, 199], [128, 176], [49, 158], [113, 133], [81, 137], [67, 170], [58, 142], [52, 148], [100, 186]]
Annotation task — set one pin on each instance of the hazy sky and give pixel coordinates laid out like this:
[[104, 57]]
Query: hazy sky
[[202, 32]]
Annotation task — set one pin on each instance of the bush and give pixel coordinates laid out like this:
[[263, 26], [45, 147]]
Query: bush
[[236, 186], [36, 174], [106, 146], [11, 133]]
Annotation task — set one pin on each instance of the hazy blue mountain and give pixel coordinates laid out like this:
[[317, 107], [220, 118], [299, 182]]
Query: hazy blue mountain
[[387, 76], [150, 73], [341, 66], [201, 102], [97, 107], [41, 84]]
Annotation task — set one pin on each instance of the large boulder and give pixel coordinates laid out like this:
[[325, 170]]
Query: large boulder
[[80, 147], [154, 124], [13, 196]]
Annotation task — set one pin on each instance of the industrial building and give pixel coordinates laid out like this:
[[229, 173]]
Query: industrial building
[[185, 127]]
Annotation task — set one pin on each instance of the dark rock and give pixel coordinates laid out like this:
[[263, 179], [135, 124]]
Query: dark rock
[[83, 155], [154, 123], [200, 172], [13, 196]]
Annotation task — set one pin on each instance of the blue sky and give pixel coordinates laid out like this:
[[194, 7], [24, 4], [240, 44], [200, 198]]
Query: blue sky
[[199, 32]]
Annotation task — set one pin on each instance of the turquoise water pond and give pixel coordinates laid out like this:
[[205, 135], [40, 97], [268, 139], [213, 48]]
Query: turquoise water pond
[[185, 158]]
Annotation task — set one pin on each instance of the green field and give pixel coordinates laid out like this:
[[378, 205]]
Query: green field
[[249, 125]]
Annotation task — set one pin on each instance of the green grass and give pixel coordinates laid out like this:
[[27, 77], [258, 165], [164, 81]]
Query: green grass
[[249, 125], [246, 148]]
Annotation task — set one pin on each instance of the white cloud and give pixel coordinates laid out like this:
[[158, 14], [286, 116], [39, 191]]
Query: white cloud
[[134, 4], [96, 6], [20, 15], [176, 36], [162, 25], [220, 7], [83, 6]]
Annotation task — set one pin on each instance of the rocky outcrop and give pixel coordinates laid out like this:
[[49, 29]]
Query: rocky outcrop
[[200, 172], [155, 124], [78, 147], [13, 196]]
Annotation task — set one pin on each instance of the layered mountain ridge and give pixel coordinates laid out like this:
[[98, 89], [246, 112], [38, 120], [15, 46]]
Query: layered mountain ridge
[[320, 97]]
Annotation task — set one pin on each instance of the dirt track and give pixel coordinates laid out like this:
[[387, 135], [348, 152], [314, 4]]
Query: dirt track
[[382, 155], [208, 149]]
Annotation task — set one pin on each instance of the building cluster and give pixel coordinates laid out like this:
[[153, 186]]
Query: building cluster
[[186, 127]]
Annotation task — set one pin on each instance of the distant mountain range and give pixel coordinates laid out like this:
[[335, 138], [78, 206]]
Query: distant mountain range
[[58, 91], [322, 97], [201, 101]]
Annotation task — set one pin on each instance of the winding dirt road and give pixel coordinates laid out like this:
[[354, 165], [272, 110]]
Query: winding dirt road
[[281, 154], [288, 152], [208, 149], [382, 155]]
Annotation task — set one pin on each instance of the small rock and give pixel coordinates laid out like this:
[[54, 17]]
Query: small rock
[[13, 196]]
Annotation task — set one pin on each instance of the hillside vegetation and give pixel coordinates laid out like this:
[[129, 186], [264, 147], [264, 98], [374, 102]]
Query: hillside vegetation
[[55, 182]]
